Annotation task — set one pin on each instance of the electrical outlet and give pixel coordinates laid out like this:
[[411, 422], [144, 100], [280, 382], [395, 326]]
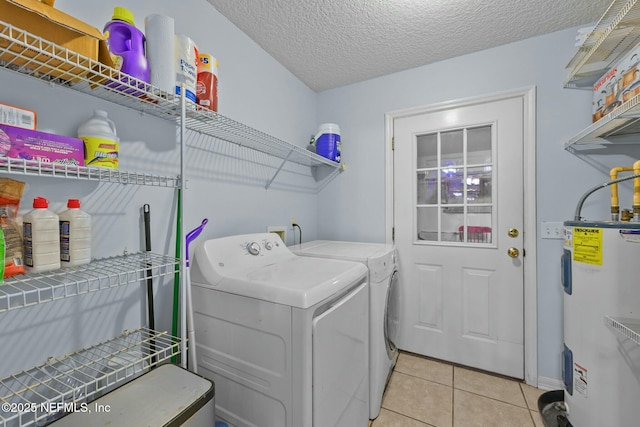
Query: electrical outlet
[[293, 221], [552, 230]]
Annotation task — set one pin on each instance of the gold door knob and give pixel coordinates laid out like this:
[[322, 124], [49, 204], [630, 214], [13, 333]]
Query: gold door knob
[[513, 252], [513, 232]]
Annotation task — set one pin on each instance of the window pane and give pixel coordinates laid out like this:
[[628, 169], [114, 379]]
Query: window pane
[[427, 224], [452, 218], [452, 148], [427, 151], [479, 224], [479, 145], [479, 182], [427, 187], [452, 185]]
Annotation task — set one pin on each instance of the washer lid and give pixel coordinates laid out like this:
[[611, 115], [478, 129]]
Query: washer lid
[[352, 251], [275, 275], [379, 257]]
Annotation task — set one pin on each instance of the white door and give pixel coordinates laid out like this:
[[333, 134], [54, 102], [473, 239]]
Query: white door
[[458, 218]]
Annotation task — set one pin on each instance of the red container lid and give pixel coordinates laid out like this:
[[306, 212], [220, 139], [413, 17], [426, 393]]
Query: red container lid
[[73, 203], [40, 203]]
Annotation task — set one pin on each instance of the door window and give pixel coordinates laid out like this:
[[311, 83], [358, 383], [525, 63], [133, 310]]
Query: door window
[[455, 195]]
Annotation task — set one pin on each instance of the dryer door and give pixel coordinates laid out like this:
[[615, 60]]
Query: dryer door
[[392, 317], [341, 362]]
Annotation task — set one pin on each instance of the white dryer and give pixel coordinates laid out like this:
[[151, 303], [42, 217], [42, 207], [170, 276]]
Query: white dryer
[[383, 310], [284, 338]]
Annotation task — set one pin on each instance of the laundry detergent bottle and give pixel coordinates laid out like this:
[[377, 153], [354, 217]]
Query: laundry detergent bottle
[[41, 238], [75, 235], [127, 45], [101, 143]]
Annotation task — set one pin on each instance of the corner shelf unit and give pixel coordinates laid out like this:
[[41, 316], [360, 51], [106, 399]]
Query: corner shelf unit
[[28, 54], [617, 31]]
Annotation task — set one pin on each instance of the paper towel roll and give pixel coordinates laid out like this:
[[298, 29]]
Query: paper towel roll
[[159, 30], [186, 62]]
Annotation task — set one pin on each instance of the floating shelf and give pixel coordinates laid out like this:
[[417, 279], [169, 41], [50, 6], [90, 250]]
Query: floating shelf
[[39, 395], [38, 168], [25, 53], [624, 327], [30, 289]]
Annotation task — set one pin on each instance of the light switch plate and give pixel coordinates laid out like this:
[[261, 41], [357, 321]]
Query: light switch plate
[[552, 230]]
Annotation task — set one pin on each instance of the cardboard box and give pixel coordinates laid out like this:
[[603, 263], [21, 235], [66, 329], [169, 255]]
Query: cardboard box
[[618, 85], [19, 143], [16, 116], [54, 26]]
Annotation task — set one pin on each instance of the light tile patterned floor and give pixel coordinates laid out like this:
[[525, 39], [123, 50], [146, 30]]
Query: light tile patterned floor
[[423, 392]]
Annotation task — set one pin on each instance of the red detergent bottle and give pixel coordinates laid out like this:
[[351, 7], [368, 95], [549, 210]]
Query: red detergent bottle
[[126, 45]]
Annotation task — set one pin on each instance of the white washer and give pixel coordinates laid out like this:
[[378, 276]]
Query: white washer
[[383, 310], [284, 338]]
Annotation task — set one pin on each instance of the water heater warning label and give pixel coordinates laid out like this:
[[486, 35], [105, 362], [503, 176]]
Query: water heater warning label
[[587, 245], [580, 379]]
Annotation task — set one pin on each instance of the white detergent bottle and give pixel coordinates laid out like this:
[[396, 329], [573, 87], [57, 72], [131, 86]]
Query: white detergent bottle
[[101, 143], [75, 235], [41, 238]]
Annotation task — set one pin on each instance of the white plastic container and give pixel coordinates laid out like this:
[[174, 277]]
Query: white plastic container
[[41, 238], [101, 142], [75, 235]]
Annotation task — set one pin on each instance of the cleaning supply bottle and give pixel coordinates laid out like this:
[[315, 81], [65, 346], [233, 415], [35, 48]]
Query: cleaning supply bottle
[[101, 142], [75, 235], [41, 238], [126, 45]]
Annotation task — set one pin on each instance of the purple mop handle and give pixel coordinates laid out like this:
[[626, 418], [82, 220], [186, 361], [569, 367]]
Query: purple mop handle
[[192, 235]]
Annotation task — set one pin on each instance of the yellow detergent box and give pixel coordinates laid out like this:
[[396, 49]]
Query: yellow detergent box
[[100, 152]]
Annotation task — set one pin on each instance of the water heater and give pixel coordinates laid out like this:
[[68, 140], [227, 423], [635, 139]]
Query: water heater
[[601, 357]]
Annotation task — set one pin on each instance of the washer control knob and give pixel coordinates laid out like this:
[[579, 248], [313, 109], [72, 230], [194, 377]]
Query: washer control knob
[[268, 246], [253, 248]]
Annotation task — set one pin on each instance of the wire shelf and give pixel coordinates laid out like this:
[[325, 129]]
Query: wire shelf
[[616, 32], [26, 53], [625, 327], [30, 289], [67, 384], [38, 168]]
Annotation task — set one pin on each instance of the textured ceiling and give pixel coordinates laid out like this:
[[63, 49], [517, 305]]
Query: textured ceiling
[[331, 43]]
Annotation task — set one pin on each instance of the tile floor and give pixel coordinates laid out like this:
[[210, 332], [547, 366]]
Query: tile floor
[[423, 392]]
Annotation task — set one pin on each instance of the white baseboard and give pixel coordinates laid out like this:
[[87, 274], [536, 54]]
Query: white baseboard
[[550, 384]]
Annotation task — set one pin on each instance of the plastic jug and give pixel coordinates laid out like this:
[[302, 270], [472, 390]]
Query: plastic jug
[[101, 143], [126, 45], [41, 238], [75, 235]]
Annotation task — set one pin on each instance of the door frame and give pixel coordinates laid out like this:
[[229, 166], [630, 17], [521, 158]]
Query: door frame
[[528, 95]]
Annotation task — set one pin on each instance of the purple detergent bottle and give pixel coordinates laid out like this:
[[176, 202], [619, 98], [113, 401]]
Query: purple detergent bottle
[[127, 45]]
